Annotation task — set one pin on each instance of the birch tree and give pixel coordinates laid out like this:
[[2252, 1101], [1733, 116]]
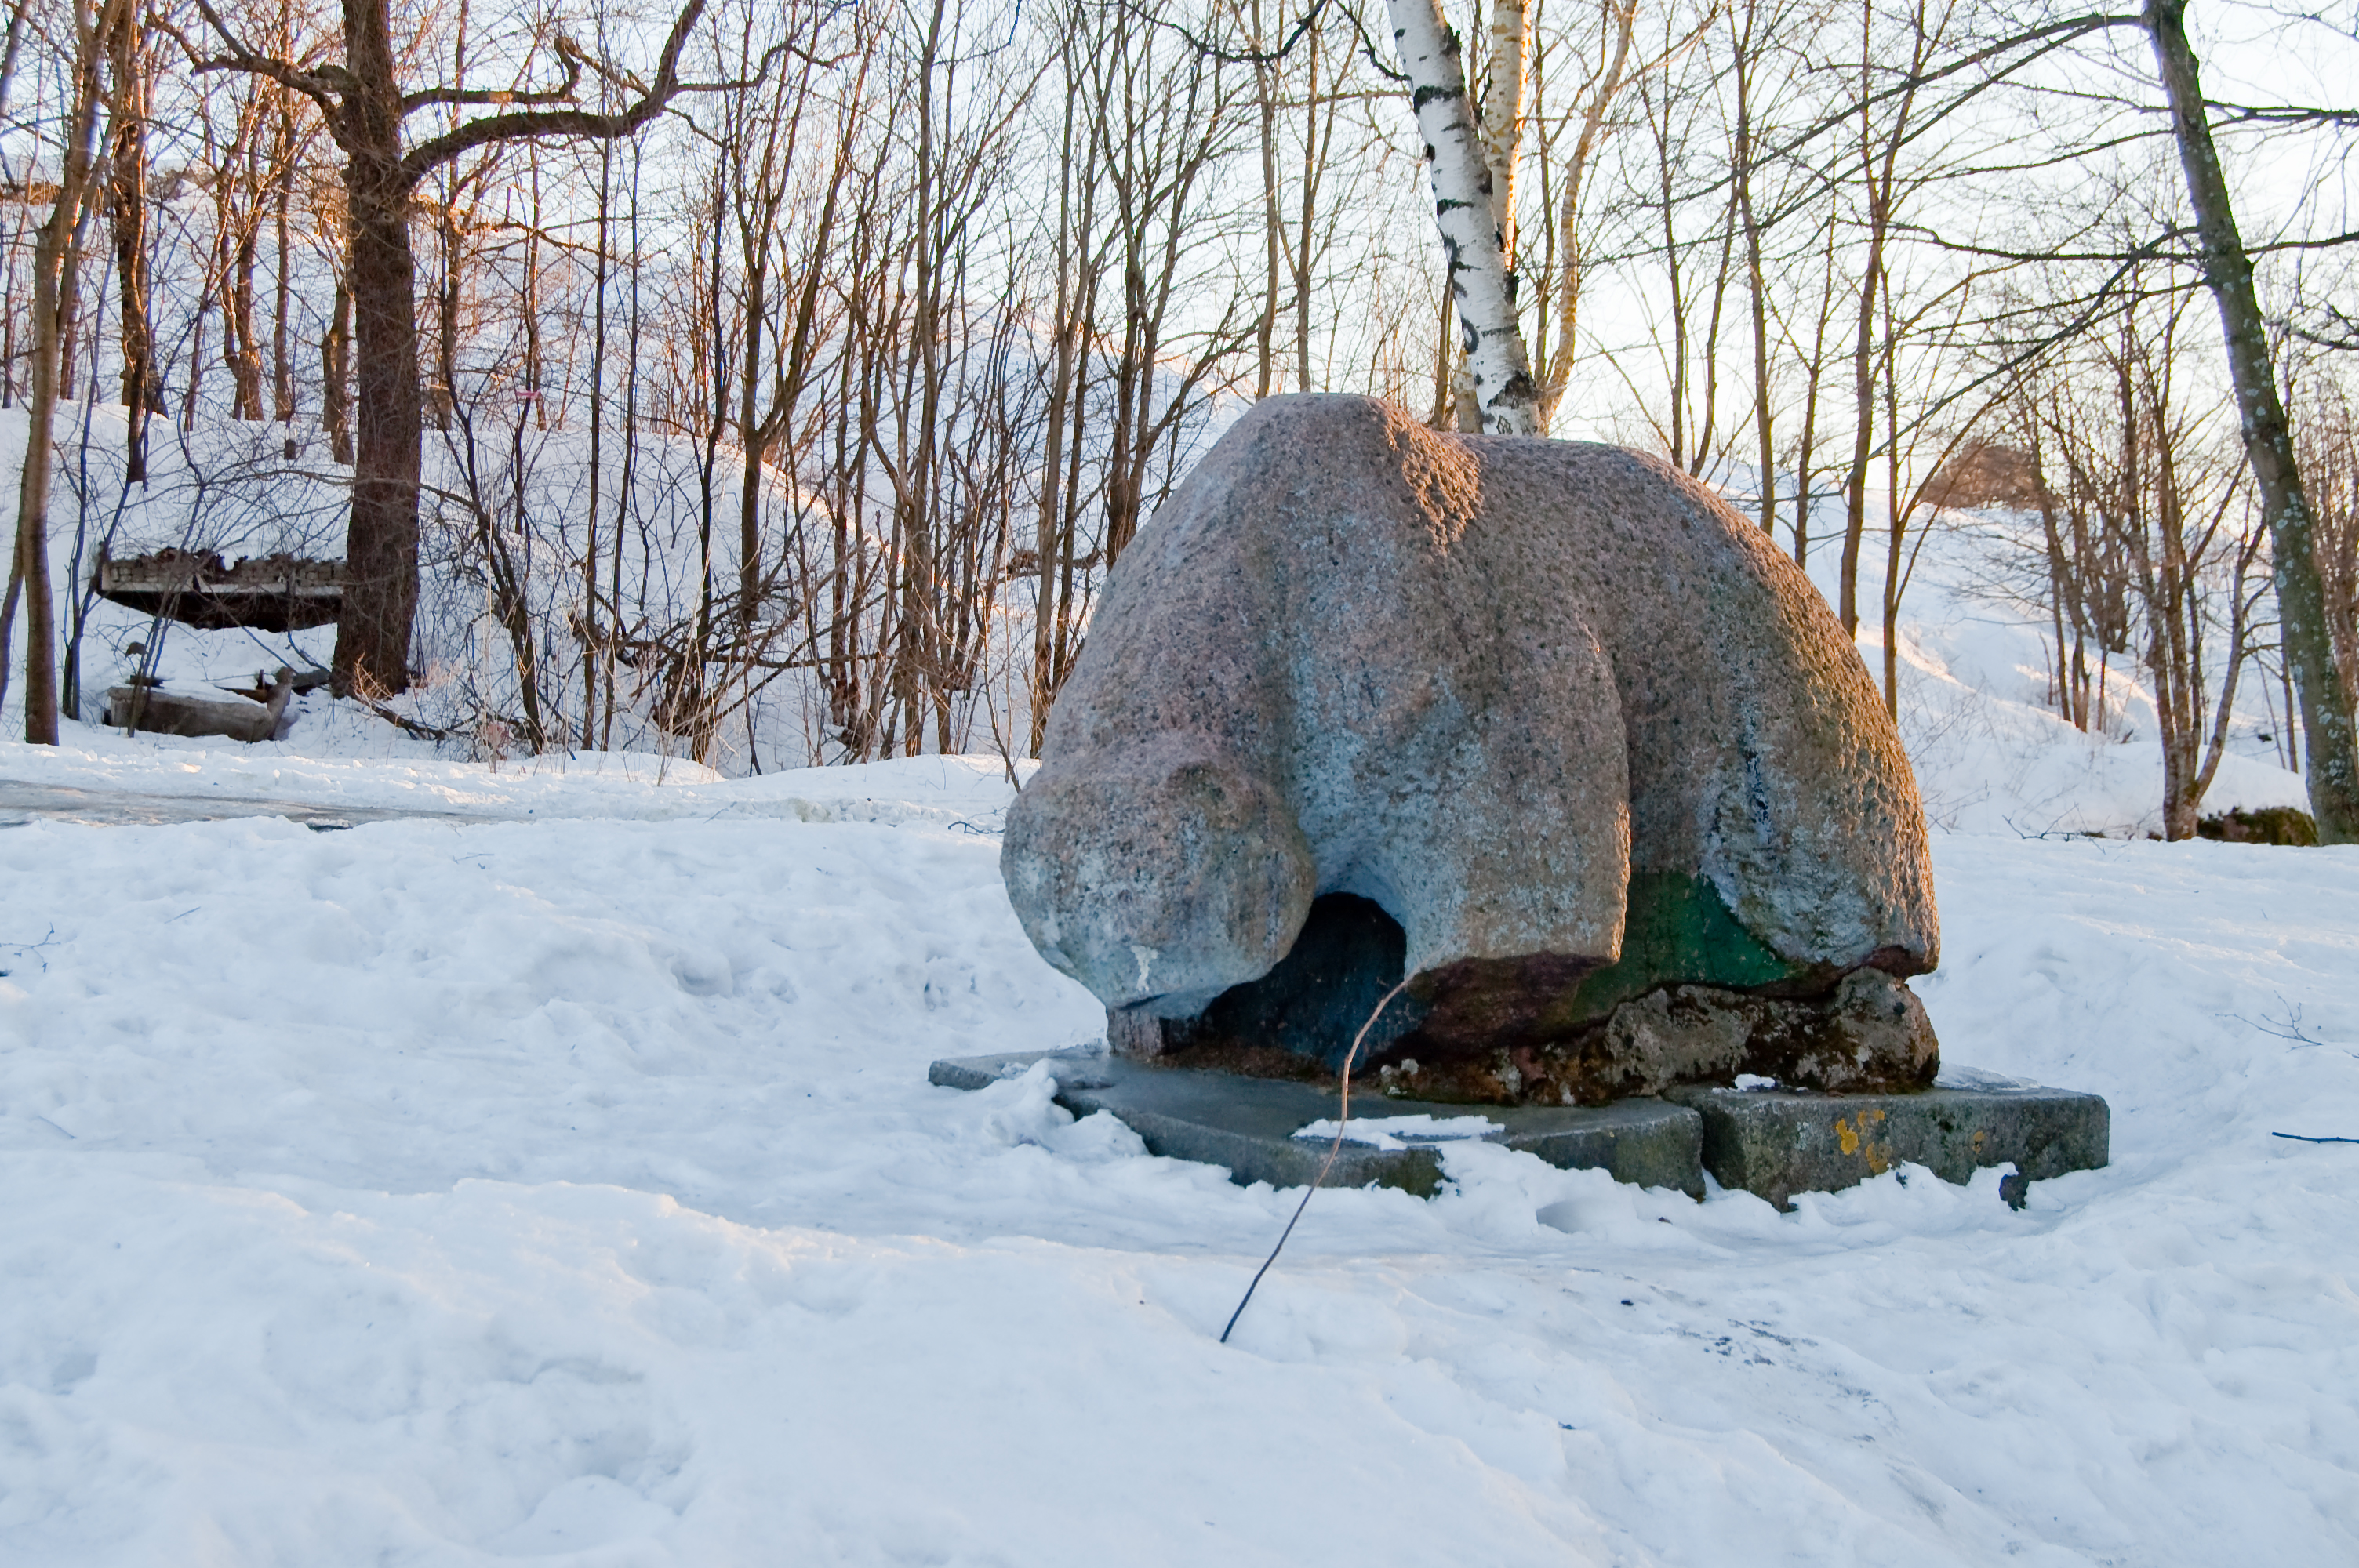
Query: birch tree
[[1465, 209]]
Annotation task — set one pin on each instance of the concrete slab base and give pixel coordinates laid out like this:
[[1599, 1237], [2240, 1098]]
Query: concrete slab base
[[1248, 1124], [1772, 1143], [1777, 1142]]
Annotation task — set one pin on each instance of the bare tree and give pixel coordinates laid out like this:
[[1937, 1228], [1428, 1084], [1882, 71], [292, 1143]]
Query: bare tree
[[2328, 450], [132, 64], [2178, 534], [1572, 144], [2326, 702], [2085, 575], [57, 273], [366, 109]]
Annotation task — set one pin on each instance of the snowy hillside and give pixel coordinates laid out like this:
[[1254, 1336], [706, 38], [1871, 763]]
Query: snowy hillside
[[1991, 752], [436, 1193]]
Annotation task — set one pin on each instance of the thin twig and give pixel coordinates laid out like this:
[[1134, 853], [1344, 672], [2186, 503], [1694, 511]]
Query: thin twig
[[1343, 1123], [423, 731], [2299, 1138]]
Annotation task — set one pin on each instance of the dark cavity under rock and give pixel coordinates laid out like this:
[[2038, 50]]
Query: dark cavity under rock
[[1477, 1037]]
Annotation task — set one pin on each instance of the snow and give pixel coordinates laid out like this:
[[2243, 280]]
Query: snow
[[445, 1191], [943, 791], [554, 1176], [1991, 753], [1399, 1132]]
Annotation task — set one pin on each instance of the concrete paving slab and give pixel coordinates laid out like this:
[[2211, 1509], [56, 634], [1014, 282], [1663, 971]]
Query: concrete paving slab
[[1777, 1142], [1248, 1124]]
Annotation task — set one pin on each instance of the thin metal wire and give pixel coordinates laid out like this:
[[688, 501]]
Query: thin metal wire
[[1342, 1120]]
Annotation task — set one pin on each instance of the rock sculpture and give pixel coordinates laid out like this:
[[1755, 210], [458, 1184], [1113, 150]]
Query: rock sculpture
[[1543, 725]]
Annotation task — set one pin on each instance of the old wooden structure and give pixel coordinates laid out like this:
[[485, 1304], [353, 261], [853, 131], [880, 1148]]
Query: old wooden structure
[[269, 593]]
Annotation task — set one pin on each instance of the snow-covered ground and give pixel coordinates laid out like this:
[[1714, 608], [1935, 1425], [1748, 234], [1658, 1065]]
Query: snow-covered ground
[[557, 1177], [444, 1192], [968, 793]]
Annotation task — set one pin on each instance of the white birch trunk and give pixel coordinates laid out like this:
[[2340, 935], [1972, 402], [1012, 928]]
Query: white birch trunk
[[1480, 288], [1503, 79]]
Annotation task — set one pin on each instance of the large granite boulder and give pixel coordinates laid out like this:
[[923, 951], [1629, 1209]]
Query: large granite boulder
[[1542, 724]]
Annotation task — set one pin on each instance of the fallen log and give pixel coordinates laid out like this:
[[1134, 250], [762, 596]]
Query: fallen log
[[138, 707]]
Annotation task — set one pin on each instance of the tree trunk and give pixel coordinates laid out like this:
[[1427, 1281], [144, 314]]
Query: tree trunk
[[143, 388], [1862, 446], [1814, 378], [752, 438], [1052, 549], [442, 400], [8, 617], [55, 273], [282, 365], [1318, 142], [241, 351], [2326, 705], [381, 546], [1503, 82], [1624, 16], [600, 254], [1863, 347], [336, 374], [1266, 329], [1756, 279], [528, 306], [627, 485], [1481, 286], [188, 398]]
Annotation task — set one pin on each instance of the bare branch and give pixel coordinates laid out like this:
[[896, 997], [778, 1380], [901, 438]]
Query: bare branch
[[317, 85], [2278, 114], [563, 93], [2344, 339], [522, 123], [1209, 51], [2037, 43]]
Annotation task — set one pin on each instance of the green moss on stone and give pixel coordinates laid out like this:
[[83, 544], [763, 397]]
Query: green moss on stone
[[1677, 931]]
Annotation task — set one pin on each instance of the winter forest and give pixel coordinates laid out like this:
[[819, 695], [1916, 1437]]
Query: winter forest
[[696, 876], [788, 376]]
